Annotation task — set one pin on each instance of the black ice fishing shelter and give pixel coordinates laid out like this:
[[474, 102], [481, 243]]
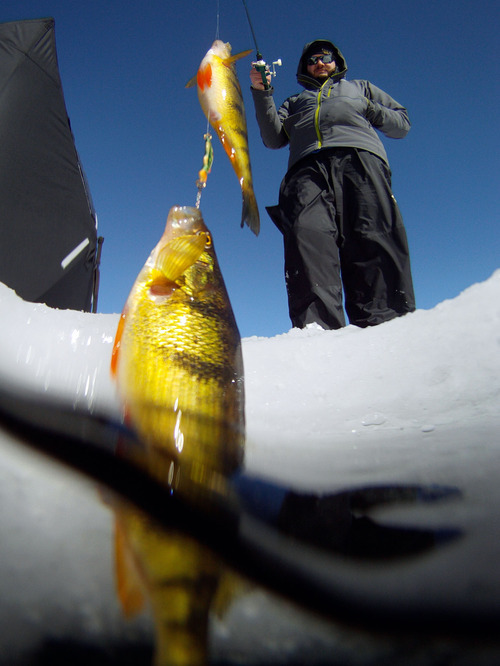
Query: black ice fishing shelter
[[49, 250]]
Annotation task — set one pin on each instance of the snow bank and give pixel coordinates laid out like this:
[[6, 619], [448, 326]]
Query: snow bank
[[305, 389]]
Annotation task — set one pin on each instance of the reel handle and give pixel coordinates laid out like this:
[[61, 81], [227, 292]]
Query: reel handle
[[263, 68]]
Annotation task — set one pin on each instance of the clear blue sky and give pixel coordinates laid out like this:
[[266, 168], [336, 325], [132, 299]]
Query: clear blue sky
[[139, 132]]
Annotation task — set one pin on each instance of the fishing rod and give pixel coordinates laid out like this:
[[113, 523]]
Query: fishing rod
[[261, 65]]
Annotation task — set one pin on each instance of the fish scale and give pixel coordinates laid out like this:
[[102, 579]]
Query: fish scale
[[171, 373]]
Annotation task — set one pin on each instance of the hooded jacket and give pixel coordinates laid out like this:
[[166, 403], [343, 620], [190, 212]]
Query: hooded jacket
[[329, 114]]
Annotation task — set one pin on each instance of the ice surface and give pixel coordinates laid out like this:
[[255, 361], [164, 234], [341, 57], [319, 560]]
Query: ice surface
[[413, 400], [355, 397]]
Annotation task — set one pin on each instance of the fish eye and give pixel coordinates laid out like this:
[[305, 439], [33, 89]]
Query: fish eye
[[208, 242]]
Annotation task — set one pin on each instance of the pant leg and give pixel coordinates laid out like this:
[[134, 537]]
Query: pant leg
[[310, 235], [374, 250]]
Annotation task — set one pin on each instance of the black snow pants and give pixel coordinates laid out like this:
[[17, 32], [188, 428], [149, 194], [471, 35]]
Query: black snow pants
[[343, 233]]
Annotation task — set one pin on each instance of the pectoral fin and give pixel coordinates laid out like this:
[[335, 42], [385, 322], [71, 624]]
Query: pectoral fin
[[237, 56], [204, 77], [117, 343], [179, 254]]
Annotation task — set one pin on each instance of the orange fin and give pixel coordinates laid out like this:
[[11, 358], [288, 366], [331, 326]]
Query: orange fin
[[128, 583], [117, 344], [204, 77], [191, 82]]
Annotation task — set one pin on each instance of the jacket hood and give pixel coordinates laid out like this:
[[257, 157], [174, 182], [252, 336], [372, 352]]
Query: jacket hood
[[317, 46]]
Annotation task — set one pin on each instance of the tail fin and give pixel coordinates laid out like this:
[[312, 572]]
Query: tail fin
[[250, 211]]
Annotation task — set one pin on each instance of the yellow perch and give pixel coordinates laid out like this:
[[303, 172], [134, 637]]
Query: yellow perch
[[177, 354], [179, 371], [220, 97]]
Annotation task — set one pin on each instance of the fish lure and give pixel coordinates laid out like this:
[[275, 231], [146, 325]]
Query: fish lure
[[208, 159]]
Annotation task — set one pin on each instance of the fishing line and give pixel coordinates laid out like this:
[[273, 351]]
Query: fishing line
[[217, 21]]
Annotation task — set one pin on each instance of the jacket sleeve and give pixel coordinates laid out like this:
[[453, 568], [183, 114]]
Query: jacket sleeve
[[270, 121], [385, 114]]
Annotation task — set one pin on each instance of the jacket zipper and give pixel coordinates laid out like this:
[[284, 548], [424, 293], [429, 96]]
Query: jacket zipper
[[316, 120], [316, 115]]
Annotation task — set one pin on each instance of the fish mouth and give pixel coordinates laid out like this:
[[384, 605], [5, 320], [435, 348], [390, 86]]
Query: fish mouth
[[220, 48], [183, 220]]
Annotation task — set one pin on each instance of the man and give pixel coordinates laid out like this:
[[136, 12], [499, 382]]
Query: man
[[341, 226]]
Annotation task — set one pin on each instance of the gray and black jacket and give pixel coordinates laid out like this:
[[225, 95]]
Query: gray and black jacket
[[334, 114]]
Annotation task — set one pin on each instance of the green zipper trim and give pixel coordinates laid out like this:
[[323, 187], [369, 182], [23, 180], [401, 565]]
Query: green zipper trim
[[316, 117], [316, 114]]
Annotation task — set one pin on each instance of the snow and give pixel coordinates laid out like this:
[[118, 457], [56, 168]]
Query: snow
[[413, 400], [354, 389], [418, 372]]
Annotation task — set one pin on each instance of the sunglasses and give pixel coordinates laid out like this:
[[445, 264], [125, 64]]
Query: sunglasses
[[325, 59]]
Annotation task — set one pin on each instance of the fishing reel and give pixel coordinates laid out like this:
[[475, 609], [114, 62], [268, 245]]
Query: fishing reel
[[264, 69], [261, 66]]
